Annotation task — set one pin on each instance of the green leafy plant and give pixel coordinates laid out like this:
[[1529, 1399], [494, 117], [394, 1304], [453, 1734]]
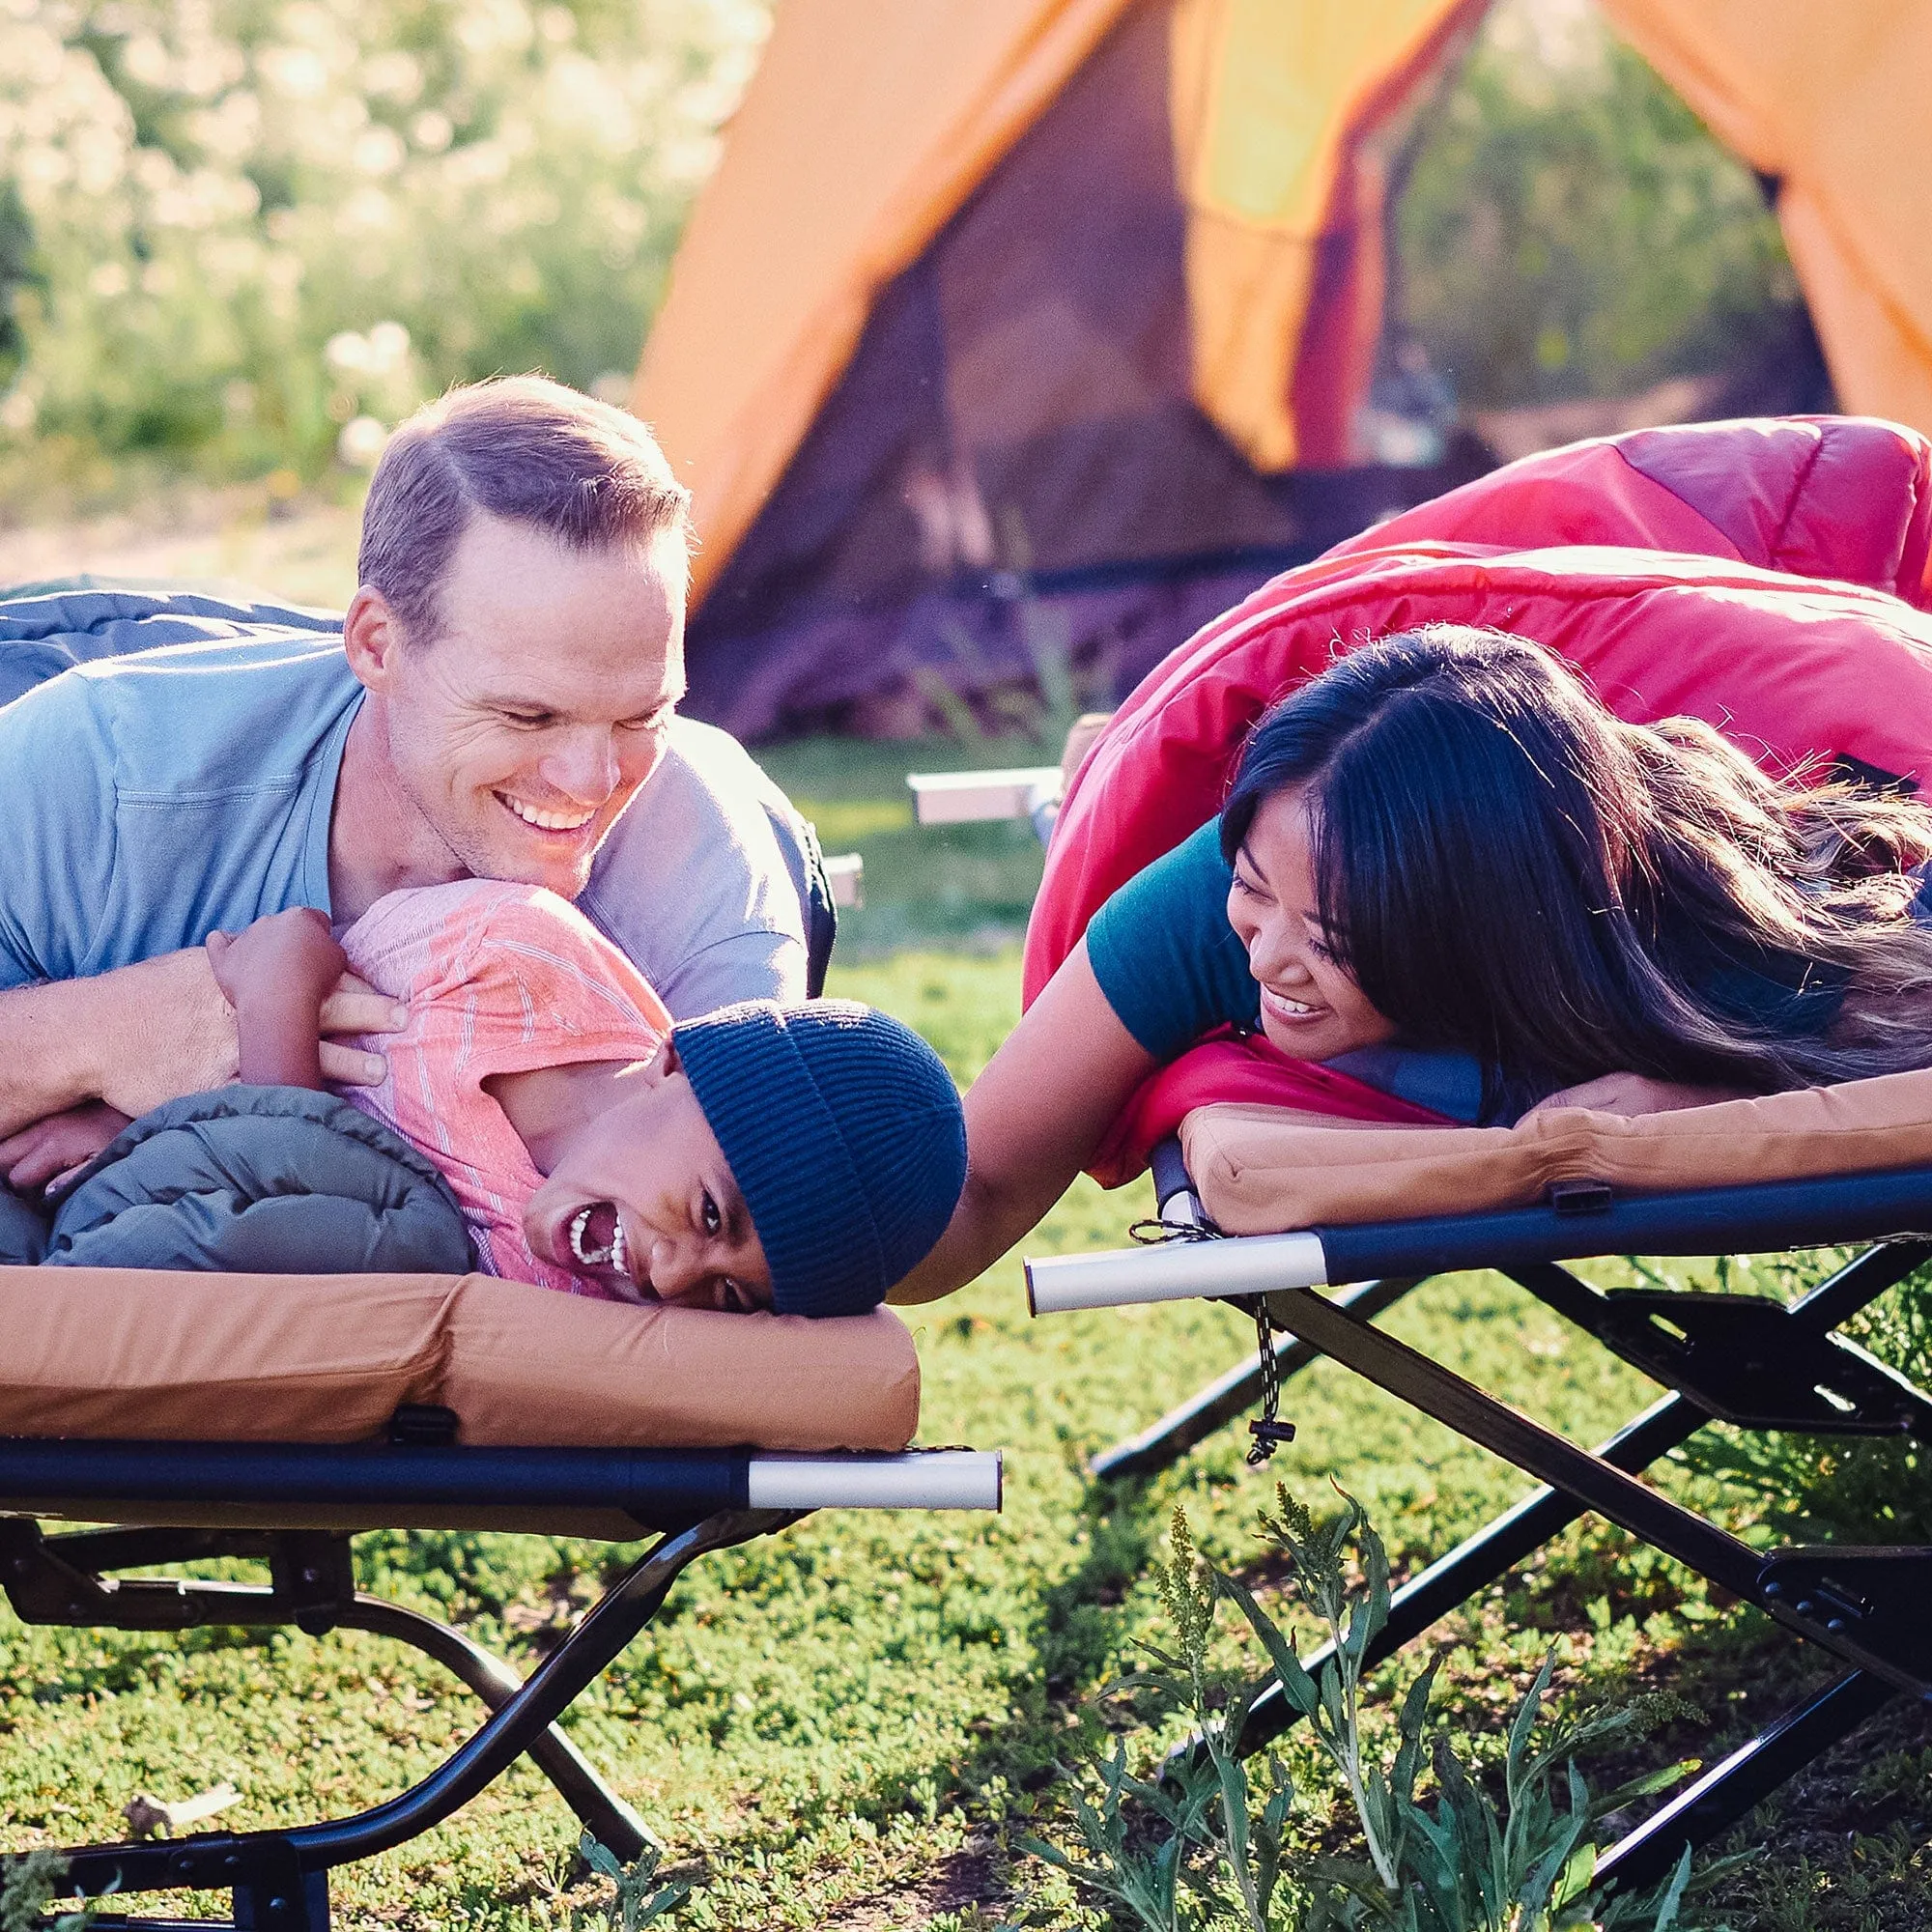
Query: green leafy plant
[[637, 1900], [1205, 1837], [1569, 227], [28, 1886], [229, 231]]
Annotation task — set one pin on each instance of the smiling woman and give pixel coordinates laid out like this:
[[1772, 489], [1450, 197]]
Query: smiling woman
[[1446, 871]]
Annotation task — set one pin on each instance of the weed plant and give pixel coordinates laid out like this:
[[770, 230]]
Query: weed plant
[[1204, 1839], [28, 1886]]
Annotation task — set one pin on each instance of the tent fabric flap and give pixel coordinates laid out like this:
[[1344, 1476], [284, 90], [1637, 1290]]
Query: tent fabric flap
[[1271, 106], [1829, 99], [871, 123], [867, 123]]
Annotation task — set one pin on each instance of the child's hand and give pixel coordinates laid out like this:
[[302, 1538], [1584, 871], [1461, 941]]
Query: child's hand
[[290, 956], [277, 973], [50, 1153]]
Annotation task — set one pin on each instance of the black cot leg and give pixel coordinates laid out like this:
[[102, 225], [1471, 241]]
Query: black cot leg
[[1519, 1532], [280, 1878], [292, 1900], [604, 1815], [1727, 1791]]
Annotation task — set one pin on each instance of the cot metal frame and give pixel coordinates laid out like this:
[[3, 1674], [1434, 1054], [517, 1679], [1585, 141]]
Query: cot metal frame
[[298, 1506], [1739, 1359]]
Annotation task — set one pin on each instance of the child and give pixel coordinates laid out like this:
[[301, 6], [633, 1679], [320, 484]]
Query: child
[[797, 1158]]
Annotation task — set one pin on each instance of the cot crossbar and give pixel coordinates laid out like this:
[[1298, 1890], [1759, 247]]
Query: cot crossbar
[[400, 1485], [1757, 1219]]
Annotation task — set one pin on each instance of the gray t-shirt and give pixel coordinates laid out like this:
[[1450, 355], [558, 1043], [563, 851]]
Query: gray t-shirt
[[150, 795]]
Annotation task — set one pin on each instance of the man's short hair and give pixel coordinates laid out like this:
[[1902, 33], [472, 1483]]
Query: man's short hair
[[520, 448]]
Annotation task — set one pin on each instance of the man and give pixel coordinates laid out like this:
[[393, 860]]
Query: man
[[499, 703]]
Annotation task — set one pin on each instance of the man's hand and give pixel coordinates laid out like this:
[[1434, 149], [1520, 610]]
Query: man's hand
[[50, 1153], [1632, 1094]]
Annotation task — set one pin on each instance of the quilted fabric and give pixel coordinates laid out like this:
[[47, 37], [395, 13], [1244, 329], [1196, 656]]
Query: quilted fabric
[[259, 1181]]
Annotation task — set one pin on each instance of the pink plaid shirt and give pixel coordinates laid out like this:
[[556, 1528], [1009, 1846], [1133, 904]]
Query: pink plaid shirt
[[498, 979]]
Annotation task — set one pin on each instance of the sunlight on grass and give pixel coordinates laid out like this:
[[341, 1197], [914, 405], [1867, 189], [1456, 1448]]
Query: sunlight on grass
[[834, 1716]]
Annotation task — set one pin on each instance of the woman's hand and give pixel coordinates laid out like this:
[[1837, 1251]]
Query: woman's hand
[[1632, 1094]]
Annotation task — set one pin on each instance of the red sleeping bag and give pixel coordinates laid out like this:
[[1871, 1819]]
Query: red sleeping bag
[[1772, 577]]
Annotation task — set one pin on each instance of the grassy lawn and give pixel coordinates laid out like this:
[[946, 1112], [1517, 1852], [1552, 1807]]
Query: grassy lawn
[[845, 1726]]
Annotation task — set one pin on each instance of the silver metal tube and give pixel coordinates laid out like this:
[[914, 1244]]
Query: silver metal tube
[[956, 1479], [965, 798], [1174, 1272]]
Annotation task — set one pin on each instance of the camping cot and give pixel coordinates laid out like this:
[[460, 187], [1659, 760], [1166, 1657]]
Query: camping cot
[[211, 1415], [357, 1403], [1771, 577]]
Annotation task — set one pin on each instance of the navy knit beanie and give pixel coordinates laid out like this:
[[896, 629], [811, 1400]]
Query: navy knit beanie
[[846, 1136]]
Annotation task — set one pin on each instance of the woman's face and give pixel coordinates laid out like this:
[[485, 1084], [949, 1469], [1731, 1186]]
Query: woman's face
[[642, 1198], [1310, 1006]]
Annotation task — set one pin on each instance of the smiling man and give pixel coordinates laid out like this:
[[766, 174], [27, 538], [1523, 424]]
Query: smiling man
[[498, 702]]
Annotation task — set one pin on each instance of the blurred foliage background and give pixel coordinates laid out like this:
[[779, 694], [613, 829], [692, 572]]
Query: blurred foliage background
[[240, 237], [1568, 228], [247, 234]]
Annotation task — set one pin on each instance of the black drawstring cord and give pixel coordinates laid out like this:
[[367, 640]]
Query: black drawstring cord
[[1268, 1429]]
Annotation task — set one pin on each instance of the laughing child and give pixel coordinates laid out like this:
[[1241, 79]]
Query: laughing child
[[799, 1158]]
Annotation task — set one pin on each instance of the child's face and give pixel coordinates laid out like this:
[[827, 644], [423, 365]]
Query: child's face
[[642, 1197]]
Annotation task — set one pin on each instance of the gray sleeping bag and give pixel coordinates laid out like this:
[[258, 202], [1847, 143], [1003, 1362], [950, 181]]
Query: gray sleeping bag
[[253, 1180]]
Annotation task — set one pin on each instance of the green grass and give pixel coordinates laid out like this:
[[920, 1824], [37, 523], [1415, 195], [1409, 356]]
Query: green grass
[[842, 1726]]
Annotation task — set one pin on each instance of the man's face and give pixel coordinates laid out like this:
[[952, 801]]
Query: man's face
[[522, 730]]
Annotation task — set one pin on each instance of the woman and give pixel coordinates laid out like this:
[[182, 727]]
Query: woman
[[1444, 867]]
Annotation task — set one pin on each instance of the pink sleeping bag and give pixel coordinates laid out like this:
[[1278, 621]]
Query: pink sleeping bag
[[1772, 577]]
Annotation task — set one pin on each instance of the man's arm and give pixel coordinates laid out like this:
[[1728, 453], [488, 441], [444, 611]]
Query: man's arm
[[147, 1034], [132, 1037]]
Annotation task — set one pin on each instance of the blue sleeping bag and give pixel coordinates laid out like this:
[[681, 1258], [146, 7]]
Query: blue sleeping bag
[[252, 1180]]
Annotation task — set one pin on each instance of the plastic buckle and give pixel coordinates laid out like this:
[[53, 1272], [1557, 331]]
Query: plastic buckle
[[423, 1425], [1581, 1197]]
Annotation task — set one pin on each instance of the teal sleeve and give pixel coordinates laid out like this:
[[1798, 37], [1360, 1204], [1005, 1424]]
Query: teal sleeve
[[1166, 957]]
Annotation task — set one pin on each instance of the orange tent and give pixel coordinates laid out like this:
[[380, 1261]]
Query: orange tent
[[1063, 292]]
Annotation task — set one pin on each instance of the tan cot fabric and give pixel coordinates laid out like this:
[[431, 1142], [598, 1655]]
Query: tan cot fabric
[[155, 1356], [1266, 1170]]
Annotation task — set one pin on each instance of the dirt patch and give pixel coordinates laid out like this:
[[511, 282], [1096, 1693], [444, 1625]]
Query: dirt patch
[[297, 549], [967, 1877]]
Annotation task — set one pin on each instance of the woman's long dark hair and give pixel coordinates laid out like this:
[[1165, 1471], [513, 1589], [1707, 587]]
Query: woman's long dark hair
[[1506, 868]]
